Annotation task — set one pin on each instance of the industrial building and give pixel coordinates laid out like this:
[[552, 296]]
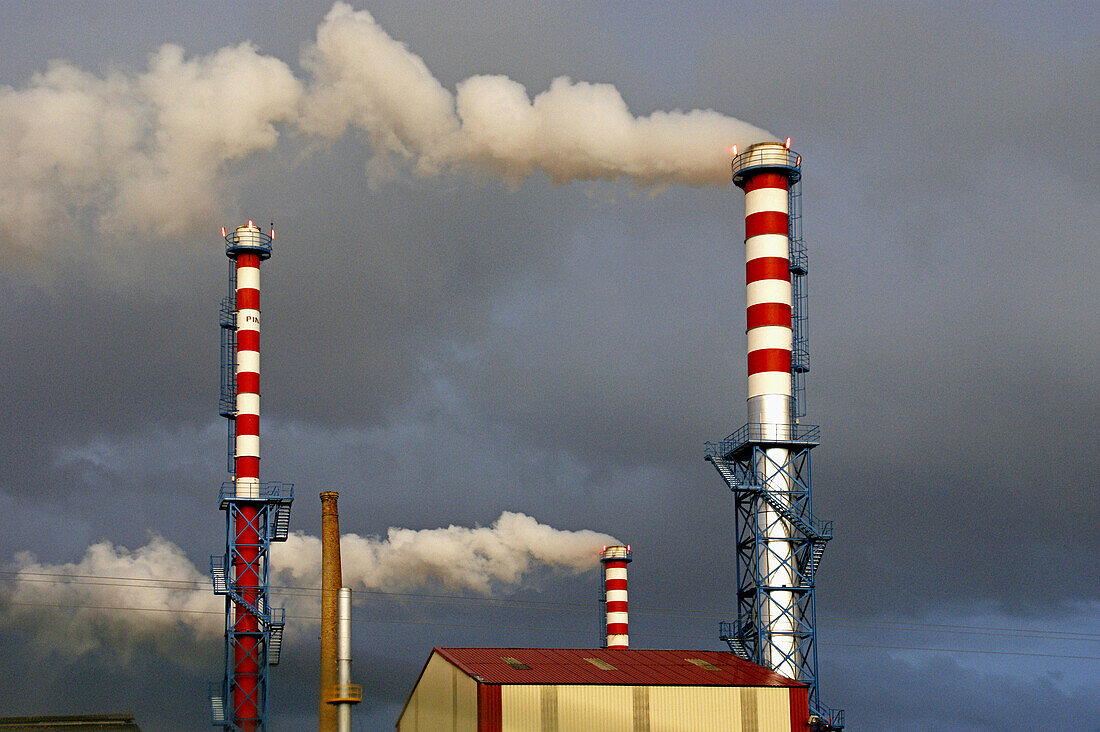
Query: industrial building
[[545, 689], [607, 689]]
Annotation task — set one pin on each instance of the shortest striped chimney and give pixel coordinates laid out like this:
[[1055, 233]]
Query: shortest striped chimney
[[615, 559]]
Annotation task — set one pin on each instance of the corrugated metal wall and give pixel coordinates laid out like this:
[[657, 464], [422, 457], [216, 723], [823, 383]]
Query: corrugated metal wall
[[537, 708], [444, 700], [705, 707]]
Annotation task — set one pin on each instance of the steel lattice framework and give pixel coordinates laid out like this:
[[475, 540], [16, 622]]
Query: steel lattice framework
[[784, 637], [766, 463]]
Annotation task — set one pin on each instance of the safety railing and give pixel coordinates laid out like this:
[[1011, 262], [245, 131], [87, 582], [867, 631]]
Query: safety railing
[[270, 492], [767, 156], [344, 694], [248, 240], [796, 434], [829, 718]]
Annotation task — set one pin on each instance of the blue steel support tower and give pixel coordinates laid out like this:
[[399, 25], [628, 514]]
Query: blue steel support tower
[[256, 513], [766, 463]]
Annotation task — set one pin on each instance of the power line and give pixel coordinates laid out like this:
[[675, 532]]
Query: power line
[[542, 605], [543, 629]]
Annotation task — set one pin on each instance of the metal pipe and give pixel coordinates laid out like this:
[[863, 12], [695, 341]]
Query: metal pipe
[[331, 580], [343, 660], [615, 559]]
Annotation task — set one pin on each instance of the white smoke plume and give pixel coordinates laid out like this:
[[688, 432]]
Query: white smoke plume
[[573, 131], [155, 597], [112, 598], [134, 151], [455, 557], [128, 152]]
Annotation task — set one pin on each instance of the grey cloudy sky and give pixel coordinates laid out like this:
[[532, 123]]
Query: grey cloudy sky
[[442, 348]]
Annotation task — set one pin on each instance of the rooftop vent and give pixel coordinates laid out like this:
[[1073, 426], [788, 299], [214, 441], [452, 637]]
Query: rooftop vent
[[703, 664], [601, 664]]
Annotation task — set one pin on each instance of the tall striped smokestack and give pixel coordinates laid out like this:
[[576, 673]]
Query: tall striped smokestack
[[247, 465], [248, 246], [331, 581], [615, 559], [766, 171], [767, 283]]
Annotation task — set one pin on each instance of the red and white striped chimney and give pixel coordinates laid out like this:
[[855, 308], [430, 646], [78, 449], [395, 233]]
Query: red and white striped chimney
[[615, 559], [767, 283], [766, 171], [247, 465], [247, 247]]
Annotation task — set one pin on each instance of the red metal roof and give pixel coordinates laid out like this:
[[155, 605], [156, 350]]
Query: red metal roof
[[631, 667]]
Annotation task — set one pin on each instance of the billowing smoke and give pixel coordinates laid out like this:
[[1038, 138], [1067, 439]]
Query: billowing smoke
[[365, 79], [128, 152], [134, 151], [456, 557], [154, 596], [112, 598]]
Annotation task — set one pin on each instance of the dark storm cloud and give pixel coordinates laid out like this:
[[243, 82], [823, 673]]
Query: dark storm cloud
[[946, 284], [942, 695]]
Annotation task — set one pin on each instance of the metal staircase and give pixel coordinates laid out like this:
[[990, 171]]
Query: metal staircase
[[222, 586], [735, 637], [280, 522], [817, 548], [217, 703], [814, 531], [275, 639]]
